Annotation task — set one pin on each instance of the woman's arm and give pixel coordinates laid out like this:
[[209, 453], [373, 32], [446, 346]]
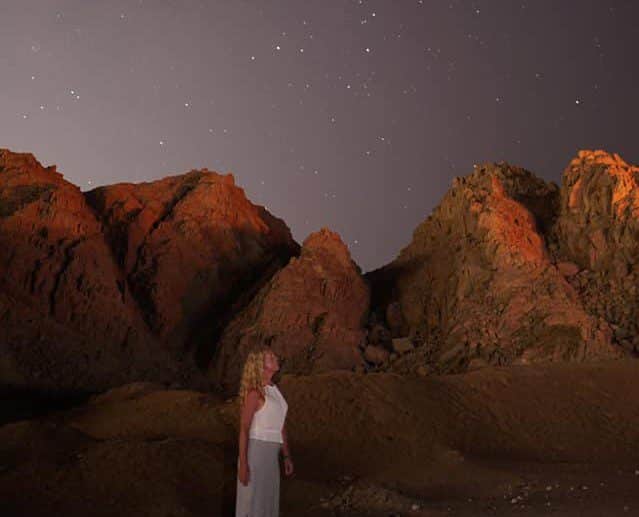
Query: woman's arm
[[286, 452], [252, 401]]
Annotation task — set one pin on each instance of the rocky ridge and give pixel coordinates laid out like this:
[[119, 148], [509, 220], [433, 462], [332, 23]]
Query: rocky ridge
[[171, 281], [509, 269], [125, 282]]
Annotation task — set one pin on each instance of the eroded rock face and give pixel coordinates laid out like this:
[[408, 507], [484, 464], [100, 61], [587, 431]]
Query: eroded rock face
[[123, 283], [148, 282], [65, 323], [312, 313], [189, 247], [597, 234], [478, 282]]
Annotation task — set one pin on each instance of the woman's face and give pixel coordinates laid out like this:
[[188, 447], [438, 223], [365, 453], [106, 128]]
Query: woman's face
[[271, 362]]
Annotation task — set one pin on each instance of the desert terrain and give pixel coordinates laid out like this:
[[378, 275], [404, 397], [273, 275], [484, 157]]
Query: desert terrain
[[521, 440], [489, 369]]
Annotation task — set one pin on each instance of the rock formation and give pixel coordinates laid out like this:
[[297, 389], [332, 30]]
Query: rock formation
[[478, 285], [596, 240], [118, 284], [189, 246], [65, 324], [172, 281], [311, 313]]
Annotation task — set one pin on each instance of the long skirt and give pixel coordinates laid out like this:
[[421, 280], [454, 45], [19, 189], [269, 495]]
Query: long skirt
[[261, 496]]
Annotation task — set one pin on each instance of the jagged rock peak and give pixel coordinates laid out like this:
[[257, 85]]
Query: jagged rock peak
[[204, 175], [615, 181], [599, 157], [514, 205], [25, 162], [503, 178], [326, 240], [311, 313]]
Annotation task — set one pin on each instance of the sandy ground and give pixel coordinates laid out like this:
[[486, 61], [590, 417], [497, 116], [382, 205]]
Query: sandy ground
[[559, 439]]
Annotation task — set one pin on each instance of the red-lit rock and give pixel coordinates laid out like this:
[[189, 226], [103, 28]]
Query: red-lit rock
[[311, 313], [479, 283]]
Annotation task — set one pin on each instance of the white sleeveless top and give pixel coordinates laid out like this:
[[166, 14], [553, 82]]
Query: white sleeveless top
[[268, 421]]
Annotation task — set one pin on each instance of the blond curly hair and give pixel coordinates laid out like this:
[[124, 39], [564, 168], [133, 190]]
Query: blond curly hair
[[252, 374]]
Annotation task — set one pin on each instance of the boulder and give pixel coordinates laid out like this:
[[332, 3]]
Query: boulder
[[376, 354], [402, 345]]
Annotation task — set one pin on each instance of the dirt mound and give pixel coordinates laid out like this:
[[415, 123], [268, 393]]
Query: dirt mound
[[152, 415], [362, 445], [157, 478]]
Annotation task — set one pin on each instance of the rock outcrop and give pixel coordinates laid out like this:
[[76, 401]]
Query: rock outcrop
[[189, 247], [596, 240], [123, 283], [477, 285], [172, 281], [312, 313], [64, 322]]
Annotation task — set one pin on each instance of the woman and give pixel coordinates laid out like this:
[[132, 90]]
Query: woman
[[262, 436]]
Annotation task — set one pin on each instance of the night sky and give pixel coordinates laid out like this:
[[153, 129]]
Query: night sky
[[354, 115]]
